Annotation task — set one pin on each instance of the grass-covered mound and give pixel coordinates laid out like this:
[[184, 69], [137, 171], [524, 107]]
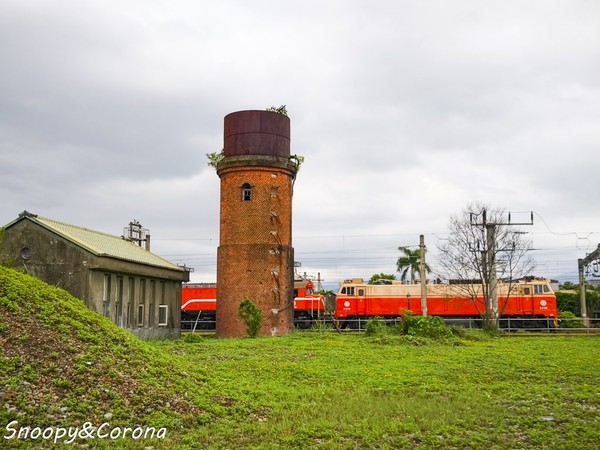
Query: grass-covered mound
[[62, 365]]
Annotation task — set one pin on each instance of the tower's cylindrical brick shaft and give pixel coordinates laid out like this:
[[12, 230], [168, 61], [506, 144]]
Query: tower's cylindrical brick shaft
[[255, 259]]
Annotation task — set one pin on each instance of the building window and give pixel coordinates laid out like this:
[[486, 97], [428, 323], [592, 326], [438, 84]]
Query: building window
[[151, 304], [106, 294], [119, 305], [246, 192], [140, 318], [131, 303], [163, 316], [25, 253]]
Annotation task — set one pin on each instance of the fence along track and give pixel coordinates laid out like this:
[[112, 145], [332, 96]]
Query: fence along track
[[513, 327]]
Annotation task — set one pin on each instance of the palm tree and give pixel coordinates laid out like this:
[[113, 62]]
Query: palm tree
[[410, 262]]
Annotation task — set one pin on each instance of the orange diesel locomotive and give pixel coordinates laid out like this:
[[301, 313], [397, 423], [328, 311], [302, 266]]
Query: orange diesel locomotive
[[531, 302]]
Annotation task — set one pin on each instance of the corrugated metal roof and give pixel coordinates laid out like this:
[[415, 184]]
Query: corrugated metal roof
[[99, 243]]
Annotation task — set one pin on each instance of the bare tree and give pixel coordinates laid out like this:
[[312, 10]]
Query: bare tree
[[484, 252]]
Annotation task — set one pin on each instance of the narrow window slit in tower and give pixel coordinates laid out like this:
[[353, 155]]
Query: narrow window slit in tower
[[246, 192]]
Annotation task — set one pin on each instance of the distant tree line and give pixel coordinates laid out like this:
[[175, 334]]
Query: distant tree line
[[568, 298]]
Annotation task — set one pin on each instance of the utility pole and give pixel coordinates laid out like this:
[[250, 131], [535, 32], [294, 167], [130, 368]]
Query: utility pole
[[490, 230], [488, 259], [581, 264], [423, 273], [582, 301]]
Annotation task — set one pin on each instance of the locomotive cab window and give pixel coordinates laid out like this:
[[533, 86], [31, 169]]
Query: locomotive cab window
[[246, 192], [348, 290]]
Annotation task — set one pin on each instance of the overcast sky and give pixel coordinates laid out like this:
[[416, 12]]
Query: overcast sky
[[405, 112]]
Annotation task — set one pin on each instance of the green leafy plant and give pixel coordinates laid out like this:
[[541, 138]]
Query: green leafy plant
[[215, 158], [381, 278], [296, 161], [281, 109], [376, 326], [252, 315], [192, 338], [569, 320], [429, 326]]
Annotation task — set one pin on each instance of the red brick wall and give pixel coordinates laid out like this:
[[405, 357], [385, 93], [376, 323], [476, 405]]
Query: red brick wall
[[255, 256]]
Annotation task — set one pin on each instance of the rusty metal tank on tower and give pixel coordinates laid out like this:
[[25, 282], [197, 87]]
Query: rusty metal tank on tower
[[257, 133]]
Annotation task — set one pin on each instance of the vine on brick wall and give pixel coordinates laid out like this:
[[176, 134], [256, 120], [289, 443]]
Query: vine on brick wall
[[252, 315]]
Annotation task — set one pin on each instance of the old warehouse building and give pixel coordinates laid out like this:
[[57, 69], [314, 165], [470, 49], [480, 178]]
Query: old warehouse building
[[133, 287]]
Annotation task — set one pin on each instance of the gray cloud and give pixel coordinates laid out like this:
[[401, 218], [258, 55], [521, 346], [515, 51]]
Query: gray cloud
[[404, 111]]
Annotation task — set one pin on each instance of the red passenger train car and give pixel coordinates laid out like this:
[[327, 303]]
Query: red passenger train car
[[530, 298], [199, 305]]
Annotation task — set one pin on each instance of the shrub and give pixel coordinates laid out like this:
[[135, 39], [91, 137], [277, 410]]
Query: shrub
[[252, 315], [431, 326], [569, 320], [457, 331], [191, 338], [376, 327]]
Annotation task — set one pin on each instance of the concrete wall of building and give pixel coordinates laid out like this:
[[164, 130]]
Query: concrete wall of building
[[148, 307], [47, 256]]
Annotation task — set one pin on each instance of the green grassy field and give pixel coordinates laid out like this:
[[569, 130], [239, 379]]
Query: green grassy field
[[354, 391], [62, 365]]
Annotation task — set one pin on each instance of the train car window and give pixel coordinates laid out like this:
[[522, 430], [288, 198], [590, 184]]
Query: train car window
[[343, 290], [361, 292], [546, 288], [526, 291], [537, 289], [351, 290]]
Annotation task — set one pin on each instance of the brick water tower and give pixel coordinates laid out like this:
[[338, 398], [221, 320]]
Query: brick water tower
[[255, 259]]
